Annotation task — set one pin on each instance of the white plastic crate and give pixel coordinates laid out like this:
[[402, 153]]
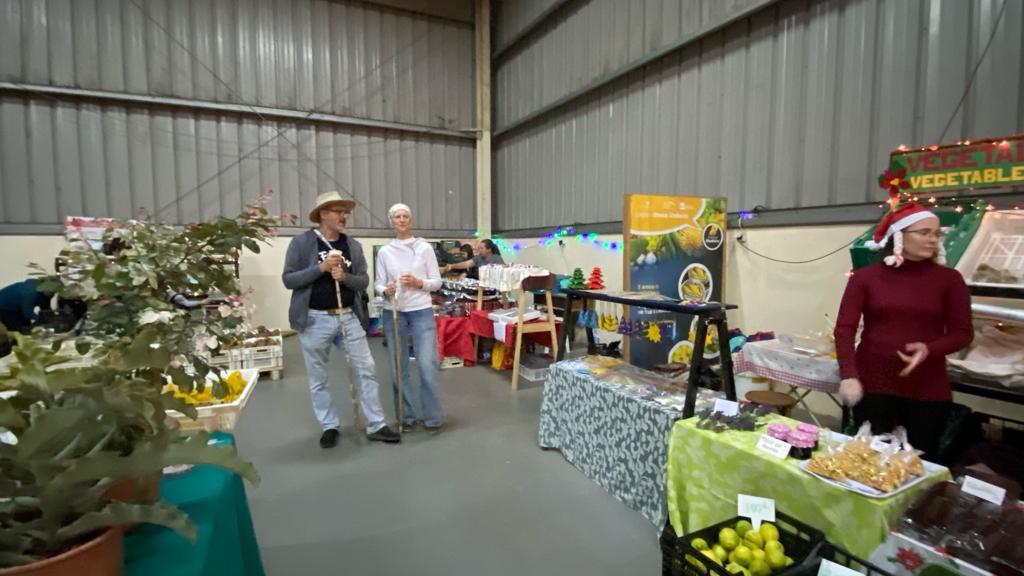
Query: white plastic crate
[[999, 243], [219, 416], [534, 368], [228, 359], [451, 362]]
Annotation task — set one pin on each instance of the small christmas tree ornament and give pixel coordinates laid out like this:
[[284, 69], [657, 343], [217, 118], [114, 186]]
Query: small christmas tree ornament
[[596, 280], [577, 282]]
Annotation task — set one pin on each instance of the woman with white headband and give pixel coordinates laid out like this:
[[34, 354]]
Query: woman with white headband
[[406, 274], [916, 311]]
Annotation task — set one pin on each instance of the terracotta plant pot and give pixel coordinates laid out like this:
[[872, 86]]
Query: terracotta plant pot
[[144, 490], [101, 556]]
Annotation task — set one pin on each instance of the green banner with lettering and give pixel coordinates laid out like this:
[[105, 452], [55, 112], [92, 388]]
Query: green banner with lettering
[[985, 164]]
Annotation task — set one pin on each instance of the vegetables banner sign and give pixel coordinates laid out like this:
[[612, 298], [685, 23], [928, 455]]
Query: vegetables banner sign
[[673, 246], [985, 164]]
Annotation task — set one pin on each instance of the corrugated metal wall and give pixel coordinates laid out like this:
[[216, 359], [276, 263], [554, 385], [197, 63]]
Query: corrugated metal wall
[[795, 106], [64, 155], [514, 16]]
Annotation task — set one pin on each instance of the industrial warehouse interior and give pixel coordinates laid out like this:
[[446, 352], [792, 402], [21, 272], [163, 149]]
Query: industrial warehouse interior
[[697, 287]]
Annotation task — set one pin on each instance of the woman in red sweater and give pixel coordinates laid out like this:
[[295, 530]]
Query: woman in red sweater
[[916, 311]]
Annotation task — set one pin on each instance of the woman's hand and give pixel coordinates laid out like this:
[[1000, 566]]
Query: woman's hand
[[390, 289], [918, 353], [410, 281], [851, 391]]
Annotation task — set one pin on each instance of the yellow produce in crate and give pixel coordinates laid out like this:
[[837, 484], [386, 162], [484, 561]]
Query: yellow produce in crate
[[234, 382]]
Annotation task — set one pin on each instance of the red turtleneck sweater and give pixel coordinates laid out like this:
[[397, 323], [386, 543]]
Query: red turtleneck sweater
[[917, 302]]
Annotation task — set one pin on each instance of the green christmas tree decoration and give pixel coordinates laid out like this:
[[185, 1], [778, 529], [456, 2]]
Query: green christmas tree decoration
[[577, 282]]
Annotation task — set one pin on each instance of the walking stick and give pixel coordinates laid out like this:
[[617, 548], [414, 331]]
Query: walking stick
[[358, 419], [398, 360]]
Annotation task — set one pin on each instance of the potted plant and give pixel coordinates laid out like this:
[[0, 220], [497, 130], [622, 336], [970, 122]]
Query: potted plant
[[69, 434]]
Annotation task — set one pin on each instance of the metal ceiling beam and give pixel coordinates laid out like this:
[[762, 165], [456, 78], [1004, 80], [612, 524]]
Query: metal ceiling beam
[[741, 9], [126, 99], [527, 30]]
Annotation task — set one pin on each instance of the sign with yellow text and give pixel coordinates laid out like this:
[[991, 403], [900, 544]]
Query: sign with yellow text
[[990, 163], [674, 246]]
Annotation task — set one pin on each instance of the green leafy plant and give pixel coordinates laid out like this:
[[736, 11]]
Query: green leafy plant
[[130, 321], [70, 431], [68, 440]]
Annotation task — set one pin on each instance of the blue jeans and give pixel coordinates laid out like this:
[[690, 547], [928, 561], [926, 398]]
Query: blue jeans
[[427, 407], [321, 333]]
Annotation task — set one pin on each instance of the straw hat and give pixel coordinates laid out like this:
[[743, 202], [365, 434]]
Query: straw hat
[[329, 199]]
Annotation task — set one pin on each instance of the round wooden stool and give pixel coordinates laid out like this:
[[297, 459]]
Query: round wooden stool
[[781, 402]]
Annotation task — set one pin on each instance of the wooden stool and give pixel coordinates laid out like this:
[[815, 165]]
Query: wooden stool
[[782, 402]]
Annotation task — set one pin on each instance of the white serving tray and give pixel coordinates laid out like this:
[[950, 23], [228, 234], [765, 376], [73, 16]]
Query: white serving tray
[[863, 490]]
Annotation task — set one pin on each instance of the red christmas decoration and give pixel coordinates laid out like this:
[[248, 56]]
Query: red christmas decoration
[[909, 558], [596, 281], [894, 180]]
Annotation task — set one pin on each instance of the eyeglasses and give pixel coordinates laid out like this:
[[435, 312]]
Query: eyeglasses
[[937, 234], [338, 210]]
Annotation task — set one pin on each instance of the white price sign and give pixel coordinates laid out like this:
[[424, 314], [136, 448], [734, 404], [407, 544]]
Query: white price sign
[[984, 490], [726, 407], [830, 568], [773, 446], [756, 508]]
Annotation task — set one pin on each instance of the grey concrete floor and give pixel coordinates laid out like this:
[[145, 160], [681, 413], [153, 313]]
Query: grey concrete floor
[[480, 498]]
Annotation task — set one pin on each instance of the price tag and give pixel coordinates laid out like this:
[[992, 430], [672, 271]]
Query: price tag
[[879, 445], [984, 490], [757, 509], [830, 568], [726, 407], [773, 446]]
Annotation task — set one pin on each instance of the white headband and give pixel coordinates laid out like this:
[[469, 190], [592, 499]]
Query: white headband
[[396, 208]]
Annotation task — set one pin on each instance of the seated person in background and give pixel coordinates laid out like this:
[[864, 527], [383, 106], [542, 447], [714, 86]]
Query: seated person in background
[[18, 303], [486, 253]]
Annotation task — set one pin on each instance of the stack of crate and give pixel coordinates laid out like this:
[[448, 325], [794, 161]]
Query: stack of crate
[[259, 354]]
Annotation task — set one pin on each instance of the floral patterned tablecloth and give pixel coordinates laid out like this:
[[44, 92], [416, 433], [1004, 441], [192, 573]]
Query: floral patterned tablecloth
[[613, 434], [706, 470]]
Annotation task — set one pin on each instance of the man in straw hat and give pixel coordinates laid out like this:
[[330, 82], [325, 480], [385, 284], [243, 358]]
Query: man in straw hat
[[322, 267]]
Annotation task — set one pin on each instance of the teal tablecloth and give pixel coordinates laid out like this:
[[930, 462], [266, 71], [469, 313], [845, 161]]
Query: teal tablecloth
[[215, 500]]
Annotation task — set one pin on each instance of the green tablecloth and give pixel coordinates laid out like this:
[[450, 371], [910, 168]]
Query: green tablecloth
[[215, 500], [706, 470]]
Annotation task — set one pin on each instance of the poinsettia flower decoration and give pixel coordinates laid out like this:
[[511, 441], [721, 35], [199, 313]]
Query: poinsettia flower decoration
[[894, 179], [909, 558]]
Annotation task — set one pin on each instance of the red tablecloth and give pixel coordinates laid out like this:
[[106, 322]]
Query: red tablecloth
[[481, 325], [454, 339]]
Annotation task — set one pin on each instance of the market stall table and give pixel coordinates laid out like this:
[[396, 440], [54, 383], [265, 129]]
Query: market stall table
[[707, 313], [617, 440], [454, 339], [480, 324], [706, 470], [804, 373], [215, 500]]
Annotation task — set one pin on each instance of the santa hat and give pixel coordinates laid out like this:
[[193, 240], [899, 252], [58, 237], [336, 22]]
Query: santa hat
[[892, 226]]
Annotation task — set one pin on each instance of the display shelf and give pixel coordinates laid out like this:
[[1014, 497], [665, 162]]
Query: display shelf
[[710, 313], [966, 384]]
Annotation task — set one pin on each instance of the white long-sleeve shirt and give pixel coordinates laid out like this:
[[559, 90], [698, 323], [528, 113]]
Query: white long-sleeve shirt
[[414, 256]]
